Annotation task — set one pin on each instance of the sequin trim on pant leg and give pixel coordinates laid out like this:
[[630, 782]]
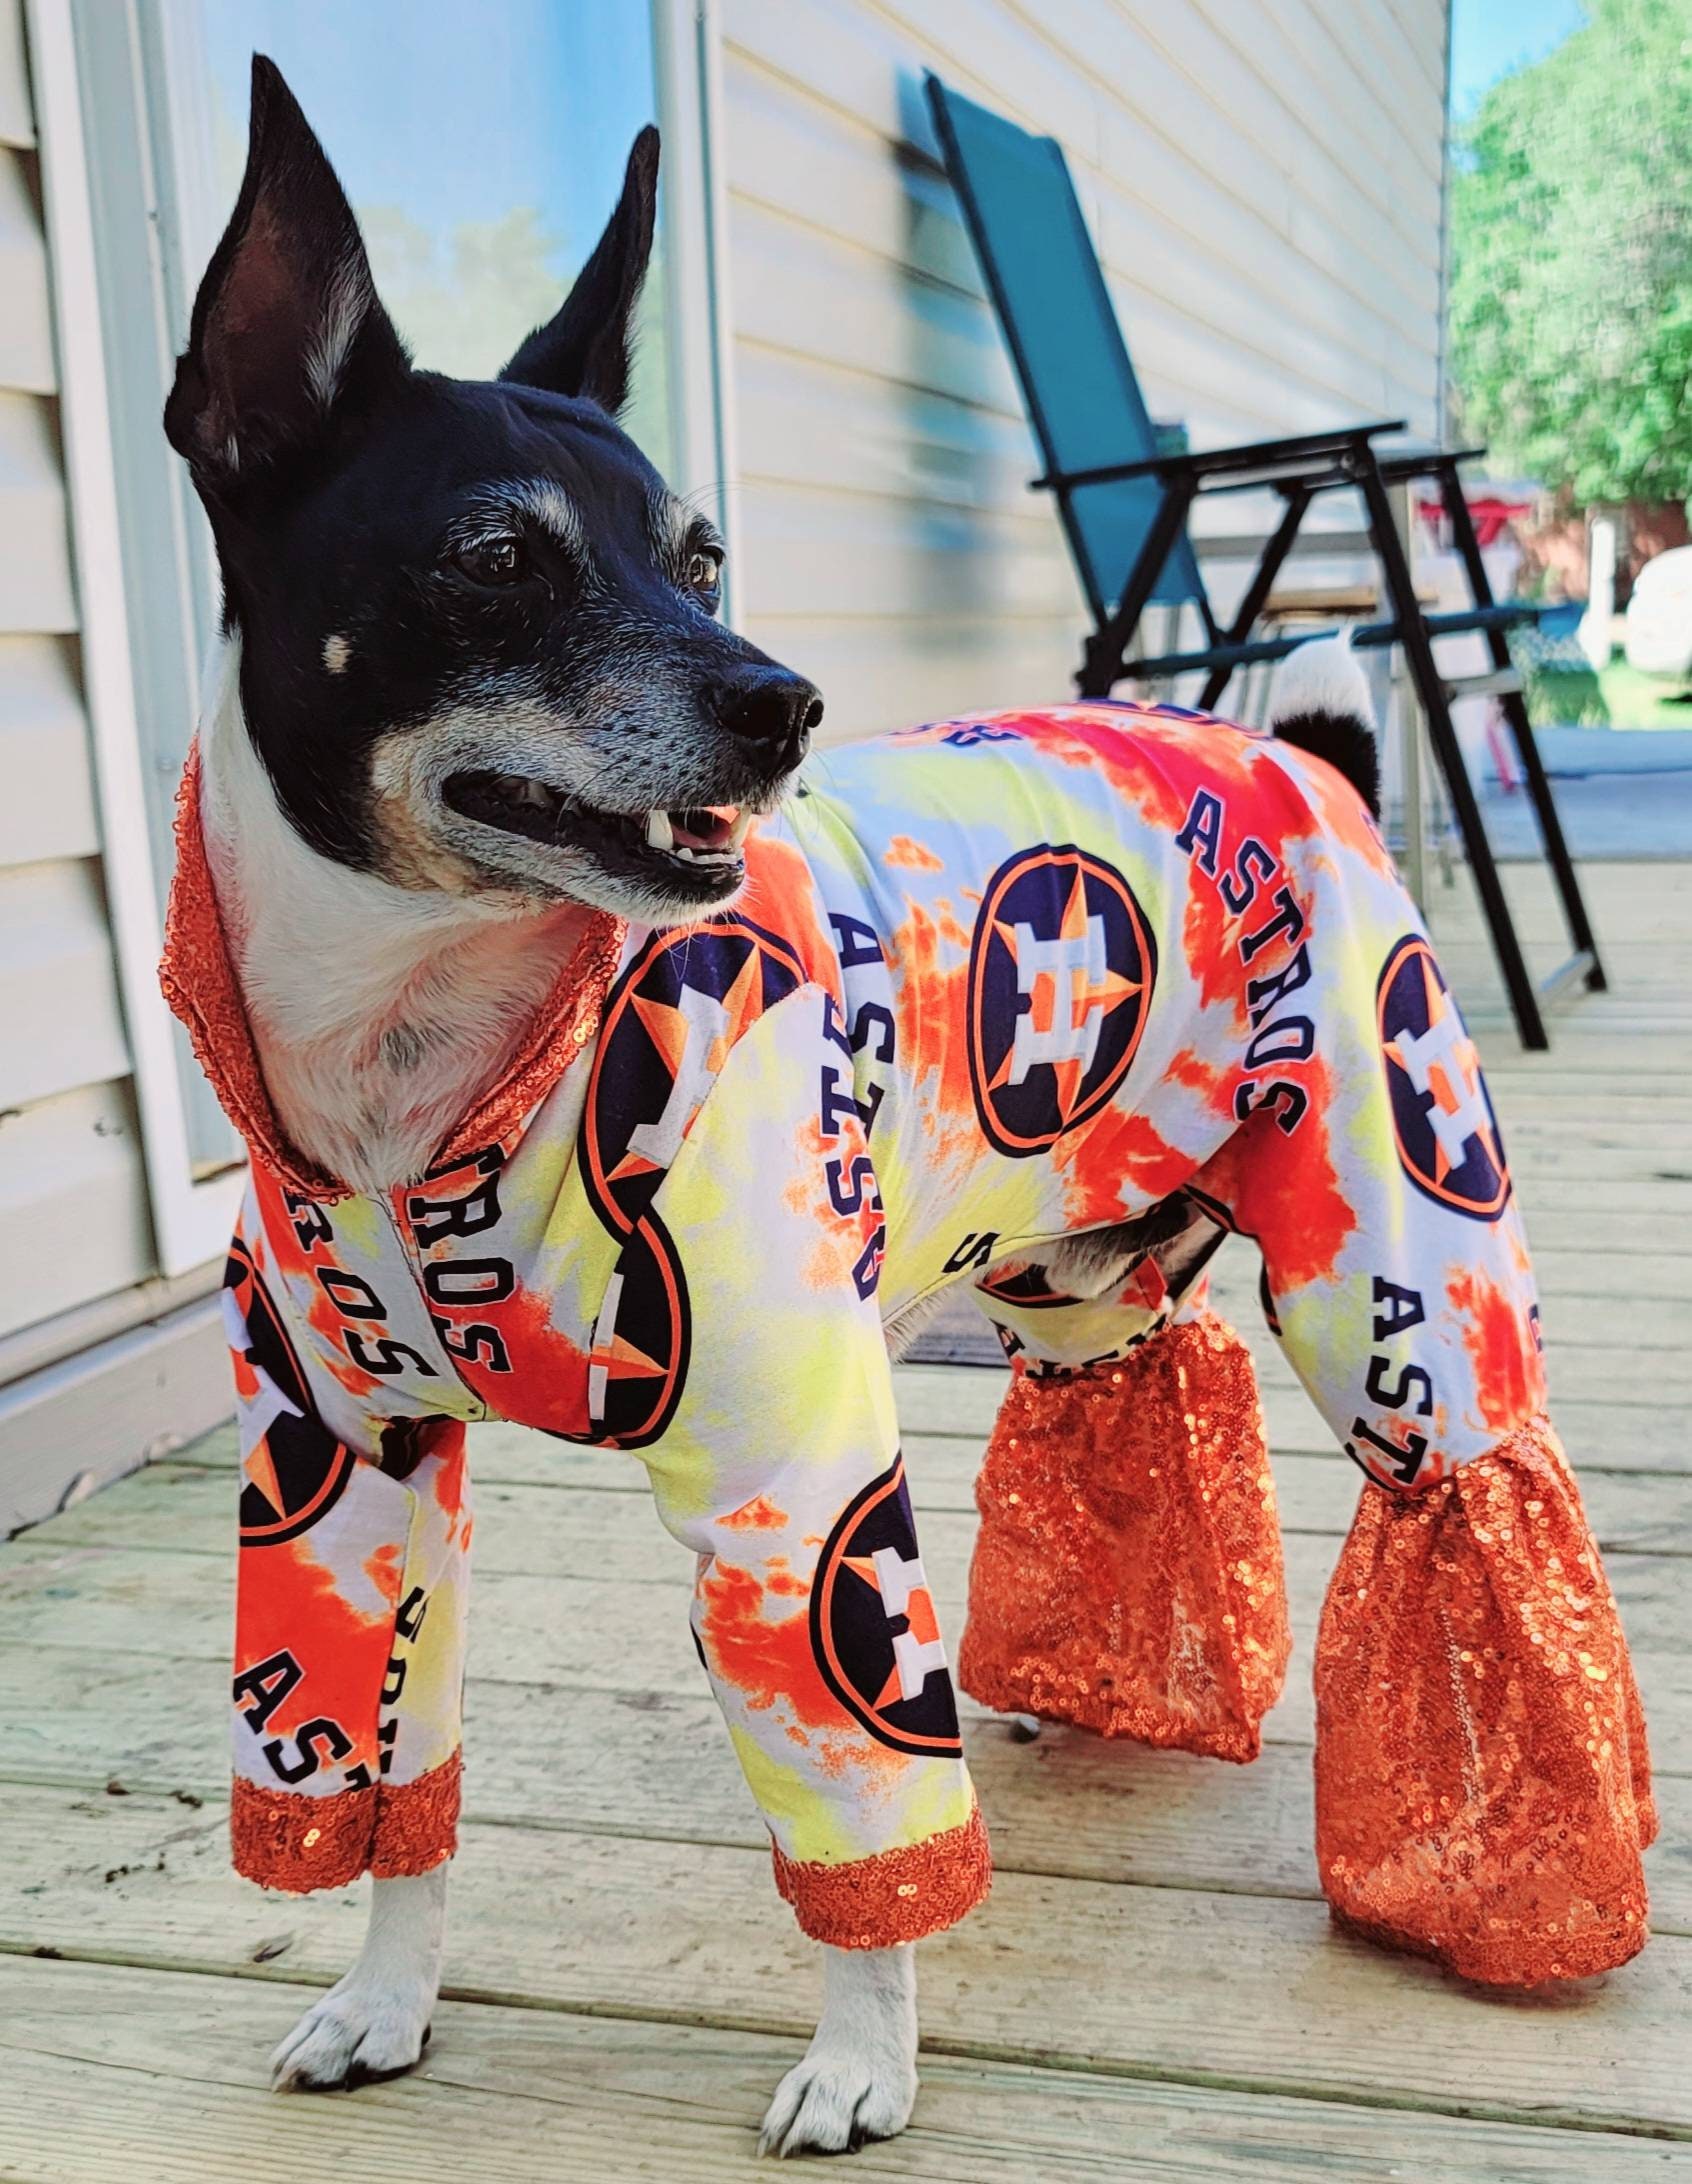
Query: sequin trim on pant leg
[[417, 1822], [898, 1895], [297, 1844], [1482, 1784], [1127, 1576]]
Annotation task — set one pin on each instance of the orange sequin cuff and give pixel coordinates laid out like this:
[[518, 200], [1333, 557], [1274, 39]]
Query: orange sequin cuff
[[1483, 1791], [299, 1844], [1127, 1575], [898, 1895], [417, 1822]]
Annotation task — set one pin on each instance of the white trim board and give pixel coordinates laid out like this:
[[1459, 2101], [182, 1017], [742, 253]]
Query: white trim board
[[687, 49]]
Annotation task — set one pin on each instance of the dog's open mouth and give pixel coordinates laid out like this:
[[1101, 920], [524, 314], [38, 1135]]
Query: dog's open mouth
[[709, 837]]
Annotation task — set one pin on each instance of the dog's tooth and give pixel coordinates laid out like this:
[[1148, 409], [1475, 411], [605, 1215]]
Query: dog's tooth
[[682, 850], [659, 832], [537, 792], [739, 831]]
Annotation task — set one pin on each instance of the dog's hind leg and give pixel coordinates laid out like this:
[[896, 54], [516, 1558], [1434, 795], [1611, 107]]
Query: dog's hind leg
[[858, 2079], [375, 2022], [1127, 1573], [1482, 1787]]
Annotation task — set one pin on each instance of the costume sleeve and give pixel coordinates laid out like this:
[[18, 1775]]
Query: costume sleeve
[[350, 1607], [779, 1466]]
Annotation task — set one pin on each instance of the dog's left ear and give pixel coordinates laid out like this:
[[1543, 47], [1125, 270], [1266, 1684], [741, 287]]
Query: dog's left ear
[[585, 350]]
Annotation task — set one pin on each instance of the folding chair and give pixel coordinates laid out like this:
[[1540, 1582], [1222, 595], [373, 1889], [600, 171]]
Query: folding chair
[[1123, 498]]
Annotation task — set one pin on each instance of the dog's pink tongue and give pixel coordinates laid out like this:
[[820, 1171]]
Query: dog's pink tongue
[[703, 828]]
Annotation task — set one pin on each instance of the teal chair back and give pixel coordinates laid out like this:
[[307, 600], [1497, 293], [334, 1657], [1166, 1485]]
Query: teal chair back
[[1078, 384]]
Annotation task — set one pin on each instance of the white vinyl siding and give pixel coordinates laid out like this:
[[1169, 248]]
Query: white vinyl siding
[[73, 1205], [1263, 182]]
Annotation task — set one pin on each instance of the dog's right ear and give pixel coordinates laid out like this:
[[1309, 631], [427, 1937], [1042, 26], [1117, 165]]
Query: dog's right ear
[[288, 336], [587, 349]]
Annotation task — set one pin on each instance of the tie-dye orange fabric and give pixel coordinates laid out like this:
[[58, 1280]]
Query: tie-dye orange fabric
[[992, 981]]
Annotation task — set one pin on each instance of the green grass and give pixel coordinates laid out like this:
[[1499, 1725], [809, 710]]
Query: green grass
[[1618, 697], [1643, 701]]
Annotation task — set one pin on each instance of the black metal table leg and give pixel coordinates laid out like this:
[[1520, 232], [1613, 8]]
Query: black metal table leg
[[1102, 657], [1430, 687], [1257, 591], [1515, 711]]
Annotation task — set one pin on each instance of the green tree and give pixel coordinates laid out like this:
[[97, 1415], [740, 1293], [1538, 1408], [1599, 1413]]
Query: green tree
[[1571, 289]]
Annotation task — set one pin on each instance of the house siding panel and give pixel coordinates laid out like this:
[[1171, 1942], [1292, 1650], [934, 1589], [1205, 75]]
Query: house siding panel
[[73, 1206], [1264, 186]]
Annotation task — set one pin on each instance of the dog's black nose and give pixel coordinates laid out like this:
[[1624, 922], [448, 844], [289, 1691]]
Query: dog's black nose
[[774, 711]]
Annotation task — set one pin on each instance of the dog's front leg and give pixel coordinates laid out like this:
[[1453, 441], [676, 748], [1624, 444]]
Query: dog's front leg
[[859, 2077], [374, 2023]]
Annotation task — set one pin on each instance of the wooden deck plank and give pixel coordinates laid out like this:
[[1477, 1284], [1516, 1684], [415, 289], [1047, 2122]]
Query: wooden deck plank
[[1606, 1383], [1589, 1296], [1639, 1436], [1255, 1991], [168, 2067], [587, 1761], [578, 1531], [177, 1604], [577, 1633]]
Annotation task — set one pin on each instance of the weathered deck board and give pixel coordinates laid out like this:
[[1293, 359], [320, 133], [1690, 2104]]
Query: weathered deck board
[[1606, 1387], [580, 1531], [1153, 1988], [587, 1761], [575, 1633], [166, 2067], [1255, 1990]]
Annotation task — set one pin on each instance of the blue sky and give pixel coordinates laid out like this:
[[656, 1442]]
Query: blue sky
[[456, 110], [1489, 37]]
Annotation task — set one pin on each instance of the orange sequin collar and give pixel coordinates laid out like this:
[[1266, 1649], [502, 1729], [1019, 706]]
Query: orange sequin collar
[[198, 978]]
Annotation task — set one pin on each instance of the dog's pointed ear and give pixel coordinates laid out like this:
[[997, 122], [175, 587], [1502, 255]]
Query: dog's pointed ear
[[586, 349], [288, 334]]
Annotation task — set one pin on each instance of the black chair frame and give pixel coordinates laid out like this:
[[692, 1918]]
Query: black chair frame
[[1298, 469]]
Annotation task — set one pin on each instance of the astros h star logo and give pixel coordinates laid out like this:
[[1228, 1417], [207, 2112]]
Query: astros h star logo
[[1061, 971], [671, 1021], [1447, 1134], [293, 1469], [873, 1625]]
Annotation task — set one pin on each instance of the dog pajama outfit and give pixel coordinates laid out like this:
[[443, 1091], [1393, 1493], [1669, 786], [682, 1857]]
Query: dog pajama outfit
[[992, 982]]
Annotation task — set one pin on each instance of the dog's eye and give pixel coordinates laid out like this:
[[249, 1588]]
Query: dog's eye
[[492, 561], [705, 576]]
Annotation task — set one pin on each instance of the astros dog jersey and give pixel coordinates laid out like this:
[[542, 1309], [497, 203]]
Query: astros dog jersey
[[992, 982]]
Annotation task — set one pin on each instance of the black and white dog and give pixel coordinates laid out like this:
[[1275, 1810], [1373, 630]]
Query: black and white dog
[[425, 636]]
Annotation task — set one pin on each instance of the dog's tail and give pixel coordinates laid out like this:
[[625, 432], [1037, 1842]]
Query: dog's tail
[[1319, 701]]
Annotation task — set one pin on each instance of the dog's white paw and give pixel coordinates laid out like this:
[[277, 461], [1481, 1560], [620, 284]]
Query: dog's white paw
[[375, 2023], [834, 2102], [359, 2032], [859, 2078]]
